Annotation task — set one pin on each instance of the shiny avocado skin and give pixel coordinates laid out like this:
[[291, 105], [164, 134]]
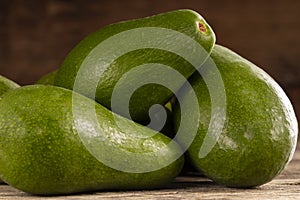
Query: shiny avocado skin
[[41, 152], [183, 21], [260, 132]]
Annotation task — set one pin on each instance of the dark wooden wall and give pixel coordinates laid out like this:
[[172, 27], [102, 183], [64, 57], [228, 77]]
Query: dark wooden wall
[[35, 35]]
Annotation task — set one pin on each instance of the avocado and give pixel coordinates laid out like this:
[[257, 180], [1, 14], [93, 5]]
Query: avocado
[[47, 79], [259, 133], [5, 86], [137, 57], [55, 141]]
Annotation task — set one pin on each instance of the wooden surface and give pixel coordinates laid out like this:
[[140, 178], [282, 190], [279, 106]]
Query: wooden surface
[[285, 186]]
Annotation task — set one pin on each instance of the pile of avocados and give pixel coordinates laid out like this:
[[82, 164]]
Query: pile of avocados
[[70, 132]]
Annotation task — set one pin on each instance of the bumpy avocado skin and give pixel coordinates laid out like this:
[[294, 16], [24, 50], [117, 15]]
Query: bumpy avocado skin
[[183, 21], [41, 151], [5, 86], [260, 132], [47, 79]]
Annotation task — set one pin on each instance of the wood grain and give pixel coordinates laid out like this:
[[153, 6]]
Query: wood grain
[[285, 186]]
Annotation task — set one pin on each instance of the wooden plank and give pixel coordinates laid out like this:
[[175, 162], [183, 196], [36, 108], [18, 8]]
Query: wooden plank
[[285, 186]]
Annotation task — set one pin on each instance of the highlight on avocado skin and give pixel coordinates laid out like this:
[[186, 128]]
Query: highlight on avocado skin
[[42, 152], [260, 134]]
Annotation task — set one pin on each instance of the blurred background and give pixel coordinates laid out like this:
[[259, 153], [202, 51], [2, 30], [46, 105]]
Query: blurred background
[[35, 36]]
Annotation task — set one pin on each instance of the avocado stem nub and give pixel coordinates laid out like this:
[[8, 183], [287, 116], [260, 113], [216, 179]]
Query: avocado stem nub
[[201, 27]]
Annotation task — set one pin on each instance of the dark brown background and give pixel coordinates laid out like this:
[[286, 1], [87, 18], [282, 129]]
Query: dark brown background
[[35, 35]]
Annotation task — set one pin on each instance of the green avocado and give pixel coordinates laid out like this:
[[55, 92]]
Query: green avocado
[[6, 85], [47, 79], [259, 129], [55, 141], [137, 57]]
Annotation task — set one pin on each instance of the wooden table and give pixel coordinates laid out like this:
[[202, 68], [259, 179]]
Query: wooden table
[[285, 186]]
